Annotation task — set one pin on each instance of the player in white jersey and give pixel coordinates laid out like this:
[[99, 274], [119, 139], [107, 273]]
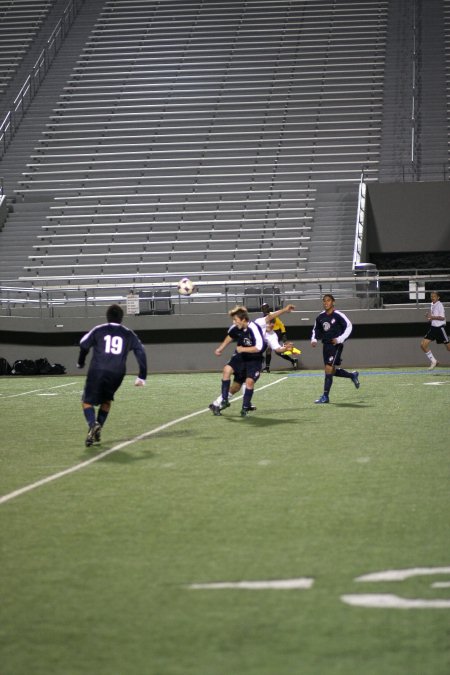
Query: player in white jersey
[[436, 331]]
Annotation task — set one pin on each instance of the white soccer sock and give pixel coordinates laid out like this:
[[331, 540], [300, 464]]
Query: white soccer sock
[[219, 399], [429, 355]]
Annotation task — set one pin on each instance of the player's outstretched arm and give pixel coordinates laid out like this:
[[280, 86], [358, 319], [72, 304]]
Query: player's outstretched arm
[[279, 312], [285, 347]]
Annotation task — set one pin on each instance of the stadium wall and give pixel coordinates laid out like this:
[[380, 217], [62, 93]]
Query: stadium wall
[[408, 218], [381, 338]]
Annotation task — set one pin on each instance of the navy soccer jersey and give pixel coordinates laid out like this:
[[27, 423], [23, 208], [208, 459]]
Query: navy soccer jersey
[[110, 344], [334, 326], [235, 333], [252, 336]]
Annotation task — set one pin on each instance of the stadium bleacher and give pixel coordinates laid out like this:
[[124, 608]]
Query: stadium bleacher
[[208, 131], [20, 22]]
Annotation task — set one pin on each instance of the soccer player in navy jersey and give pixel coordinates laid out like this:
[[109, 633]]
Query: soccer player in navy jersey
[[332, 328], [251, 347], [245, 364], [110, 342], [242, 331]]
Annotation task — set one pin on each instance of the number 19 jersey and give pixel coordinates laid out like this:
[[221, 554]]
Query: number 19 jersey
[[110, 344]]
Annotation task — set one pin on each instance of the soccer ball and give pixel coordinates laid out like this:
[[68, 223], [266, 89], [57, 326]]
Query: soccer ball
[[185, 286]]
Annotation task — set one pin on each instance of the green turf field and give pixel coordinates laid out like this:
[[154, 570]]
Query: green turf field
[[105, 567]]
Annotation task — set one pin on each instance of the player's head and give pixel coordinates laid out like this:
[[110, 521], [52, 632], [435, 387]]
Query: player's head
[[114, 314], [240, 315], [265, 308], [328, 302], [434, 295]]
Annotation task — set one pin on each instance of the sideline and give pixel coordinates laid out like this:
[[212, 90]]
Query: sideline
[[364, 373], [120, 446], [34, 391]]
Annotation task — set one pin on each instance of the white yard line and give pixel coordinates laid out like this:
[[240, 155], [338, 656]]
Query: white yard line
[[277, 584], [120, 446], [36, 391]]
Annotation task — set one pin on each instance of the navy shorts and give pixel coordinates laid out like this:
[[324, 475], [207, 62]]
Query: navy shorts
[[101, 385], [253, 368], [437, 333], [332, 354], [237, 363]]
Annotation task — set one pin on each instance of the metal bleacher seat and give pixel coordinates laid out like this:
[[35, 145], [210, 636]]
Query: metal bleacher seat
[[272, 296], [252, 298], [162, 302]]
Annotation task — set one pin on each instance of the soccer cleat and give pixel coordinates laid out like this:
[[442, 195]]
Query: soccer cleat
[[355, 380], [215, 409], [97, 432], [90, 437], [225, 404], [266, 370], [245, 411], [323, 399], [433, 364], [295, 364]]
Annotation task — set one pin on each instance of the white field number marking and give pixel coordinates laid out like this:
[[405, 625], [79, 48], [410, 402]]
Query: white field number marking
[[388, 600], [371, 600]]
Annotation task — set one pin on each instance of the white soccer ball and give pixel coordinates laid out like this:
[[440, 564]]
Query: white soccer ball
[[185, 286]]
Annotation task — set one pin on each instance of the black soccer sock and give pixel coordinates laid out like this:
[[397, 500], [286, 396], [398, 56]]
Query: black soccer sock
[[287, 358], [268, 359], [225, 389], [247, 398], [327, 384], [340, 372], [101, 416]]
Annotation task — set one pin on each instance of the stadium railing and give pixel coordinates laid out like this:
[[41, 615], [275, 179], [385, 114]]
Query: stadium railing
[[13, 118], [218, 294]]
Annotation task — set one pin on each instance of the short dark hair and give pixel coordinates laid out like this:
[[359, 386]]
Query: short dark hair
[[114, 314], [265, 308], [328, 295]]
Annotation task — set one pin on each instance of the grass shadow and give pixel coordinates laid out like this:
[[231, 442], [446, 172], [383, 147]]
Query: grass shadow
[[260, 421], [352, 405]]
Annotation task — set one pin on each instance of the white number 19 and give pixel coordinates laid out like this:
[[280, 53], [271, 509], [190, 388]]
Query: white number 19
[[114, 344]]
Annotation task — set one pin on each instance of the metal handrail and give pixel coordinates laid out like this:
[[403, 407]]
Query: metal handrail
[[34, 80], [14, 298]]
